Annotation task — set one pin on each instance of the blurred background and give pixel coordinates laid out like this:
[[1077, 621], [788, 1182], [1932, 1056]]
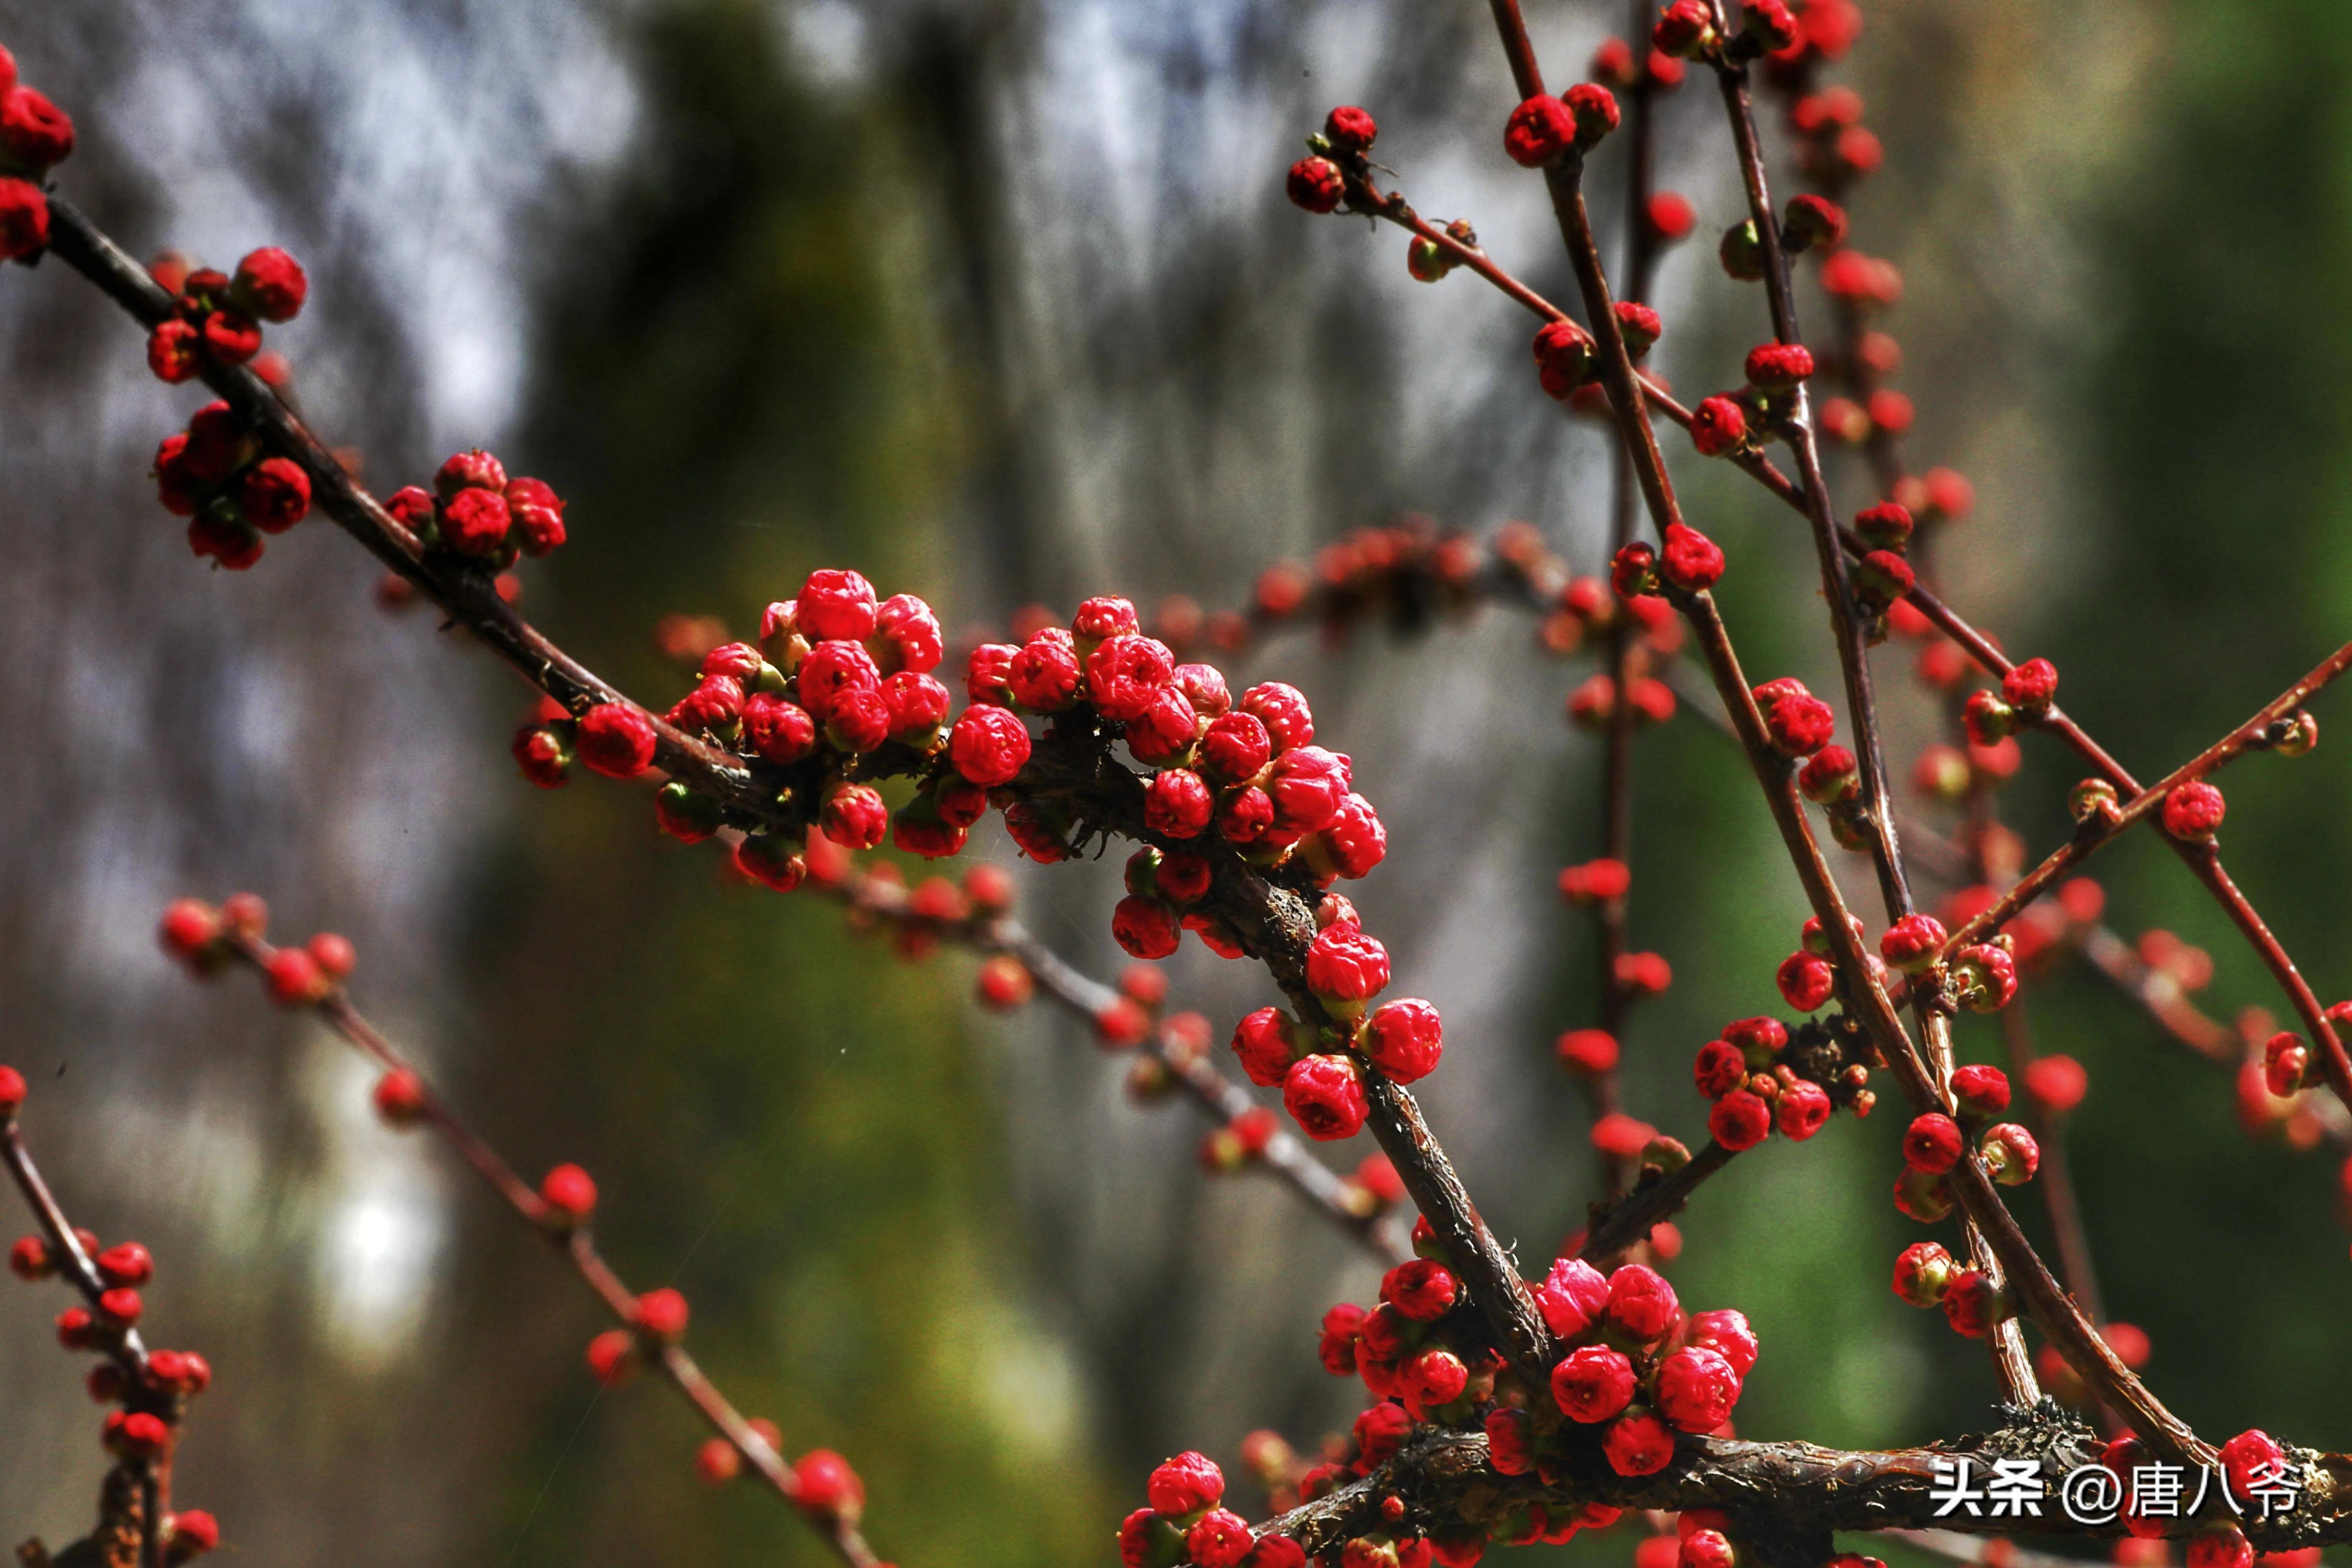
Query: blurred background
[[1000, 303]]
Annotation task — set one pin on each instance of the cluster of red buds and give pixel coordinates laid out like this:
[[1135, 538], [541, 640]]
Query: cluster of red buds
[[213, 474], [1408, 570], [149, 1390], [1324, 1070], [216, 318], [1932, 1145], [202, 936], [34, 134], [476, 512], [1182, 1522], [840, 692], [1763, 1078], [1638, 1369]]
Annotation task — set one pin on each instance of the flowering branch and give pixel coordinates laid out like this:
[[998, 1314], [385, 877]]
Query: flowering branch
[[824, 1490]]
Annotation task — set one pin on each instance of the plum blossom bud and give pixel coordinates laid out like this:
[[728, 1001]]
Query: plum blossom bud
[[1325, 1095], [1696, 1389], [1593, 1383], [1540, 132], [1403, 1039], [989, 745], [2192, 811], [1912, 944], [1187, 1484], [1921, 1272], [1346, 968], [2010, 1154], [1933, 1143]]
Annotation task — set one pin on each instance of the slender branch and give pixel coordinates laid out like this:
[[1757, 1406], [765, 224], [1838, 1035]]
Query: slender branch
[[1086, 998], [2098, 832], [1846, 623], [136, 1495], [335, 1009]]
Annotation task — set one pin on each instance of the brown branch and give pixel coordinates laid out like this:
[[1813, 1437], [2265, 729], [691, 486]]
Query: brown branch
[[135, 1496], [1846, 623], [1784, 1500], [1086, 998], [2097, 832], [336, 1012]]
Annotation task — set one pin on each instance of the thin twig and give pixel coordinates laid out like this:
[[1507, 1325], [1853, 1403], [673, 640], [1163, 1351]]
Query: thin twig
[[335, 1009]]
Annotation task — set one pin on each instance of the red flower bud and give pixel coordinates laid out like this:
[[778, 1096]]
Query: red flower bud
[[188, 929], [174, 349], [1812, 220], [30, 1258], [1775, 367], [1972, 1306], [1921, 1272], [2193, 811], [190, 1533], [827, 1487], [836, 606], [1641, 1303], [2244, 1454], [616, 738], [1594, 110], [24, 232], [1325, 1095], [1404, 1039], [1186, 1485], [400, 1098], [1912, 944], [1044, 676], [914, 705], [854, 816], [1540, 132], [1923, 1196], [660, 1314], [1933, 1143], [1803, 1109], [1681, 30], [1593, 1383], [1638, 325], [1510, 1441], [1573, 1298], [2010, 1154], [1221, 1539], [1346, 968], [1146, 928], [2031, 686], [1586, 1052], [2056, 1084], [1638, 1444], [611, 1355], [1806, 980], [33, 133], [1317, 184], [1717, 426], [1726, 1332], [989, 746], [1670, 216], [1691, 561], [570, 1194], [1350, 128], [1126, 673], [1696, 1389], [778, 730], [1739, 1120], [1981, 1091], [270, 284]]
